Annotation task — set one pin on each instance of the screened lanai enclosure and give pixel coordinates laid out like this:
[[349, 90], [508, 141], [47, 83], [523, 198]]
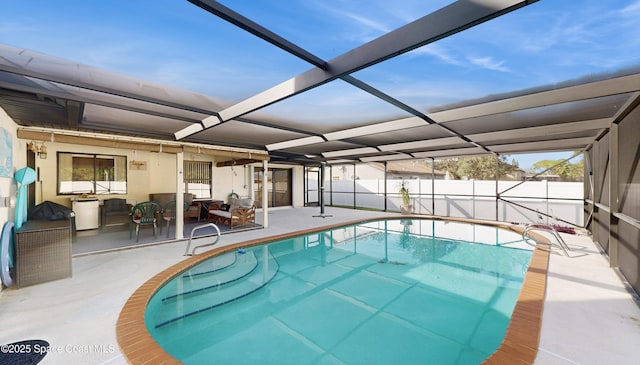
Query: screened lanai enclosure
[[612, 195], [352, 111], [511, 197]]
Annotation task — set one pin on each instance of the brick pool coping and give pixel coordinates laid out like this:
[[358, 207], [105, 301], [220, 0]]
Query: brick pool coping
[[520, 345]]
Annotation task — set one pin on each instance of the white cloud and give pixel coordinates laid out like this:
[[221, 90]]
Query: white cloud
[[489, 63], [633, 10], [438, 52], [366, 22], [356, 25], [447, 57]]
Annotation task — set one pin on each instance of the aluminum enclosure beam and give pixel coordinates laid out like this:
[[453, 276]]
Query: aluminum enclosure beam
[[26, 63], [242, 22], [259, 31], [615, 86], [546, 130], [59, 92], [379, 94], [449, 20]]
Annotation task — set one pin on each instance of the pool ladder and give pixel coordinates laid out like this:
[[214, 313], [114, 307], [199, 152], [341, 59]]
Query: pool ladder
[[548, 228], [193, 252]]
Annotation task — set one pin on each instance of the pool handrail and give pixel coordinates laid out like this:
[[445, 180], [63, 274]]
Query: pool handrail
[[206, 225], [549, 228]]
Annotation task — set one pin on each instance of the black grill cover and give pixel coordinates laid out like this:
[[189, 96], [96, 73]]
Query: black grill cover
[[49, 211]]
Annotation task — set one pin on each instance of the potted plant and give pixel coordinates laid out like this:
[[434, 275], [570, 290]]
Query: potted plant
[[406, 207]]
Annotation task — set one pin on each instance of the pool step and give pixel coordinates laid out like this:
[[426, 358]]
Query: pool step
[[181, 306], [203, 280], [211, 266]]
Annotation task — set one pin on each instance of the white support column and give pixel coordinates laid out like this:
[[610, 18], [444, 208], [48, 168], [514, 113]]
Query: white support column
[[250, 186], [265, 200], [179, 196]]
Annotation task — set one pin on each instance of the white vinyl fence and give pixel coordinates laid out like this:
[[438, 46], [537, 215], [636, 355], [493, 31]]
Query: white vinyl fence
[[527, 202]]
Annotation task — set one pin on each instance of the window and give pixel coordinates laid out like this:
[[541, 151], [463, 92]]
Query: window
[[80, 173], [197, 178]]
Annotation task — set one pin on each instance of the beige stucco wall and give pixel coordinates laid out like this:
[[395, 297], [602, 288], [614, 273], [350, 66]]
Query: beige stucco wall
[[227, 179], [224, 181], [158, 176], [297, 187]]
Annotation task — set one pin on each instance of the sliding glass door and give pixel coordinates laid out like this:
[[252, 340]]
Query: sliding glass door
[[279, 182]]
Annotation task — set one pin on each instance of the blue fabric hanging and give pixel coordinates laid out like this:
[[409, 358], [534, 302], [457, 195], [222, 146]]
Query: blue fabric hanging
[[23, 177]]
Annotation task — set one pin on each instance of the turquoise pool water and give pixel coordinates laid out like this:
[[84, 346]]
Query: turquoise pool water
[[396, 291]]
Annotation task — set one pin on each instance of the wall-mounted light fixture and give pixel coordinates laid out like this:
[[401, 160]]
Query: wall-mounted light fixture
[[38, 148]]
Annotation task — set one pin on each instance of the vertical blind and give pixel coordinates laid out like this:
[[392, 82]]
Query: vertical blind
[[197, 172], [197, 178]]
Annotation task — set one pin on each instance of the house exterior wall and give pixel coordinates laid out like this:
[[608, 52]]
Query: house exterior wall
[[157, 174], [8, 186], [227, 179], [155, 177], [298, 186], [297, 183], [161, 173]]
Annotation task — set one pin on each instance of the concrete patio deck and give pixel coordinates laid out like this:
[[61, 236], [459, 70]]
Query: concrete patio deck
[[589, 316]]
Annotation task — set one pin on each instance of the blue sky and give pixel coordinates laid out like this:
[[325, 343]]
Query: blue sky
[[176, 43], [526, 160]]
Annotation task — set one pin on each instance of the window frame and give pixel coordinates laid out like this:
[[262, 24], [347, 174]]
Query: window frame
[[95, 185], [206, 167]]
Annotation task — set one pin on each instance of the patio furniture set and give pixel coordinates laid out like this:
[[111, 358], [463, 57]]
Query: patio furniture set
[[116, 211], [238, 212]]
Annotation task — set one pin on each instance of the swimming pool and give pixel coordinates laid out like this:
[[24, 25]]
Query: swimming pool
[[407, 291]]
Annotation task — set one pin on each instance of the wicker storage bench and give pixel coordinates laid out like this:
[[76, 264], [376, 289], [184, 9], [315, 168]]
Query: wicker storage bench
[[43, 252]]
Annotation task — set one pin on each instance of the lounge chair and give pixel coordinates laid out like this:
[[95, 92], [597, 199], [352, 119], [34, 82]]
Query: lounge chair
[[237, 213]]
